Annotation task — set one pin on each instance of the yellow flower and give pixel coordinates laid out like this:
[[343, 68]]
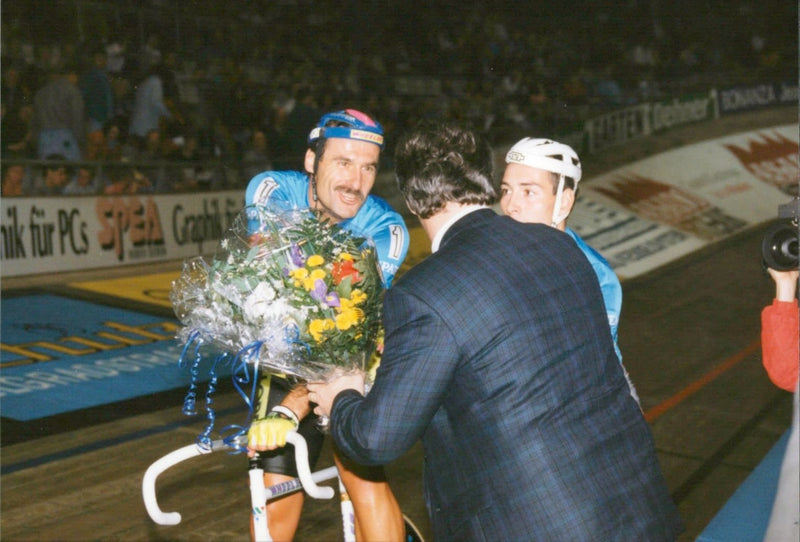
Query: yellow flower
[[348, 318], [310, 281], [358, 297], [299, 275], [319, 326], [346, 256], [315, 260]]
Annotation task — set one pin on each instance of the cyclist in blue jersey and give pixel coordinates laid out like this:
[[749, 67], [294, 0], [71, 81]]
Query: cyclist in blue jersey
[[341, 167], [539, 185]]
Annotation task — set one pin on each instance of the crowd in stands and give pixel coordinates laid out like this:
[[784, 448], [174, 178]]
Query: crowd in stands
[[157, 96]]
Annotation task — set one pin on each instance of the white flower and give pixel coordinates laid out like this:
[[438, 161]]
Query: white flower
[[278, 310], [257, 304]]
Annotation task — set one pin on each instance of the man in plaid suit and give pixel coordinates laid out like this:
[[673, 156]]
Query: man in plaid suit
[[503, 364]]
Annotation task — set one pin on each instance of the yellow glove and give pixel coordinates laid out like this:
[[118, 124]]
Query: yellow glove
[[270, 432]]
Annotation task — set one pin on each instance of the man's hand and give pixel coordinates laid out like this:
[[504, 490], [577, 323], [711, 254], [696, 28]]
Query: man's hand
[[269, 433], [323, 393]]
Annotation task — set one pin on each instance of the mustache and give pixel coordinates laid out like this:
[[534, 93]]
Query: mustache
[[351, 192]]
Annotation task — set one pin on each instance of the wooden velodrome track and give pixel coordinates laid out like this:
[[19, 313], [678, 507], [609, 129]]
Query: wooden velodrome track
[[689, 335]]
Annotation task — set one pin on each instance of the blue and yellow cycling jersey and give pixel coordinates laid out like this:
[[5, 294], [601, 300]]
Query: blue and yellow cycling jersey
[[376, 219], [609, 285]]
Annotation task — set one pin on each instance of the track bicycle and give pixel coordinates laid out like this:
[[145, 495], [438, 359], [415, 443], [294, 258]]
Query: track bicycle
[[259, 493]]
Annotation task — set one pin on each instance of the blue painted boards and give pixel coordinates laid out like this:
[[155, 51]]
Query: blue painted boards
[[60, 355]]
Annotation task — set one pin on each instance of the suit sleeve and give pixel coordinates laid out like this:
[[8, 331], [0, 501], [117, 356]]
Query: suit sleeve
[[411, 385], [780, 323]]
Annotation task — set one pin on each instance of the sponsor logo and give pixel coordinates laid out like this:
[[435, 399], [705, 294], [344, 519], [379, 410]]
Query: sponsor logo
[[641, 251], [756, 97], [367, 136], [46, 236], [618, 127], [207, 225], [675, 113], [671, 205], [771, 159], [514, 156], [131, 221]]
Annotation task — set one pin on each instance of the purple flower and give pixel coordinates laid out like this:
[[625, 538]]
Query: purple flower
[[296, 256], [332, 300], [320, 290]]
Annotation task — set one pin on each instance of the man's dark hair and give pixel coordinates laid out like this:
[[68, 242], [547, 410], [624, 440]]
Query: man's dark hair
[[318, 146], [438, 162]]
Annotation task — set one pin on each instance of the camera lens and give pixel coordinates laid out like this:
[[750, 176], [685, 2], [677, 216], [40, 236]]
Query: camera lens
[[779, 248]]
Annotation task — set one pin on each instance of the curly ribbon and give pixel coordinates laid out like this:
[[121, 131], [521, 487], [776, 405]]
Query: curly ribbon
[[241, 373], [292, 336], [237, 439], [240, 369], [235, 436], [204, 440], [190, 400], [245, 383]]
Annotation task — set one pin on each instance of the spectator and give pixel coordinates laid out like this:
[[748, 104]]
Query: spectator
[[58, 116], [256, 157], [151, 171], [116, 145], [149, 107], [84, 182], [150, 55], [291, 139], [98, 95], [13, 180], [779, 330], [115, 55], [123, 97], [126, 180], [14, 93], [780, 343], [54, 176], [186, 175], [15, 130], [151, 148]]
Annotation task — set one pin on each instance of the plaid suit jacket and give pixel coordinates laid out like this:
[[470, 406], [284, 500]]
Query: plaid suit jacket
[[499, 357]]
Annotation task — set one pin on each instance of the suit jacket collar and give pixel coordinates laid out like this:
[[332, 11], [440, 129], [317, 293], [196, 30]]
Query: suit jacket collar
[[437, 239], [471, 216]]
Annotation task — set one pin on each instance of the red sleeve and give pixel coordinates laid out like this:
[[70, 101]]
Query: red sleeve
[[780, 332]]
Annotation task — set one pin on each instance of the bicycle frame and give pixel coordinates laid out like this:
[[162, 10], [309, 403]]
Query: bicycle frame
[[259, 494]]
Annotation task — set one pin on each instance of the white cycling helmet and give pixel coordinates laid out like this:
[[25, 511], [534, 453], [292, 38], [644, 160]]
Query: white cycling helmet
[[550, 156], [546, 154]]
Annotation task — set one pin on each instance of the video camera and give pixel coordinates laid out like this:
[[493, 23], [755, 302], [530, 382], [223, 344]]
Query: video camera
[[779, 248]]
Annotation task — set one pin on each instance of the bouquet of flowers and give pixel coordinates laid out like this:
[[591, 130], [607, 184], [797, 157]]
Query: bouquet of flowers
[[293, 294]]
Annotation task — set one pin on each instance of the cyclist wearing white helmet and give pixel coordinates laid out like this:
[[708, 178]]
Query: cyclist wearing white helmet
[[341, 167], [539, 185]]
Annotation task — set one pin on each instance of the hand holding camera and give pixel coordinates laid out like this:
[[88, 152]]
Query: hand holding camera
[[779, 248]]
